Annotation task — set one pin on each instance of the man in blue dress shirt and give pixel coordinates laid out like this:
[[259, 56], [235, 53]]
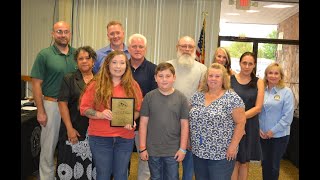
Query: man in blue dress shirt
[[115, 33]]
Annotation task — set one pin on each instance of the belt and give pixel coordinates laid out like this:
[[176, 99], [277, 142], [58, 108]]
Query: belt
[[50, 99]]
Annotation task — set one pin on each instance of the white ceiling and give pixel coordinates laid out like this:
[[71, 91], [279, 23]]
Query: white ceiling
[[268, 16]]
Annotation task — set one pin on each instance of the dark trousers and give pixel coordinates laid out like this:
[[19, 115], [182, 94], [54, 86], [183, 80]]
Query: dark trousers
[[272, 152]]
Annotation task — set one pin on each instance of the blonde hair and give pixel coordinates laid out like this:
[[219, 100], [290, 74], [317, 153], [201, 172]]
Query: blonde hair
[[278, 67], [112, 23], [228, 59], [225, 77], [104, 83]]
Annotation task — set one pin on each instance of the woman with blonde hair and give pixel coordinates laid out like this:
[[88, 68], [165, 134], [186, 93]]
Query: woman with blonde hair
[[217, 120], [222, 56], [275, 120]]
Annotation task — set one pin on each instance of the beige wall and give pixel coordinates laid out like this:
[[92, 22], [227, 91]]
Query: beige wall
[[288, 55]]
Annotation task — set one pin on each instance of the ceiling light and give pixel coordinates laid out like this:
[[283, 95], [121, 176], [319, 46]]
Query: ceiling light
[[278, 6], [232, 14], [252, 11]]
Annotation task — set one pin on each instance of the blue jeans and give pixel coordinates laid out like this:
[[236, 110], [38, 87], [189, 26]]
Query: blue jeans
[[187, 165], [111, 155], [163, 168], [206, 169], [272, 152]]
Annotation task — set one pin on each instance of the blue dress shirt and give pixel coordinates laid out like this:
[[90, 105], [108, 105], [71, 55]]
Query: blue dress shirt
[[103, 52], [277, 112]]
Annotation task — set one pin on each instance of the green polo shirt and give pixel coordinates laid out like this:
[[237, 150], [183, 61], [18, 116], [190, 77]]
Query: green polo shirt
[[50, 66]]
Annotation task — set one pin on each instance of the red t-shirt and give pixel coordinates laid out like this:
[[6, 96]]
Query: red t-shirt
[[101, 127]]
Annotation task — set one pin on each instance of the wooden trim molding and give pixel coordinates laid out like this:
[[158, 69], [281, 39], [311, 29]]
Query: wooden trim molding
[[26, 78]]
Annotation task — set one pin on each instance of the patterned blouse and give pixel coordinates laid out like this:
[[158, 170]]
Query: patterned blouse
[[212, 127]]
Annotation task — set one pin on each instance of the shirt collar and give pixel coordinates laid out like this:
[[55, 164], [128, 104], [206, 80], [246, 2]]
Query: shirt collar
[[57, 51], [141, 65], [108, 48], [275, 89], [78, 75]]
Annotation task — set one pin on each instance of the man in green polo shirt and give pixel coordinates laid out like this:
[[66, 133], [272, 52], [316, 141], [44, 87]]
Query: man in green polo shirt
[[49, 67]]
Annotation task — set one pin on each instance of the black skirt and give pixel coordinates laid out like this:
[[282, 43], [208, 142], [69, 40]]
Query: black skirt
[[74, 161]]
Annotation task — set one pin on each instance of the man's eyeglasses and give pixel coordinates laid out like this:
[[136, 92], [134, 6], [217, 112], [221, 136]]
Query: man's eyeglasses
[[186, 46], [60, 32]]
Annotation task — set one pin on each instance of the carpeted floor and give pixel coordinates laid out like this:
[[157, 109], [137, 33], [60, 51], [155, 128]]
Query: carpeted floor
[[287, 172]]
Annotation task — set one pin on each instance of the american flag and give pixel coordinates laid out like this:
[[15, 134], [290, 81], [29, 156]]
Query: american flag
[[200, 52]]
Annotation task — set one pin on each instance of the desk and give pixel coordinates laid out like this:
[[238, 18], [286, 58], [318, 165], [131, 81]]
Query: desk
[[292, 152], [30, 143]]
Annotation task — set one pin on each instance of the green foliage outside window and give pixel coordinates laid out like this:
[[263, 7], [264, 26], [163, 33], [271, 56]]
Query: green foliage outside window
[[267, 51]]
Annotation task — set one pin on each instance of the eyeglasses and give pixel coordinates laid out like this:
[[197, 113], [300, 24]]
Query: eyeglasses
[[136, 47], [60, 32], [184, 46]]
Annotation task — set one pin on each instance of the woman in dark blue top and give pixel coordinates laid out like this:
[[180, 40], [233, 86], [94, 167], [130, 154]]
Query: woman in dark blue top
[[251, 90]]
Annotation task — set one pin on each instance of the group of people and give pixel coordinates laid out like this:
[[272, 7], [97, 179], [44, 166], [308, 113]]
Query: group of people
[[211, 119]]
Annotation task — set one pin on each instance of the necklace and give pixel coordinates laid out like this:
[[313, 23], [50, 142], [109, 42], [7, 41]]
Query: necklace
[[87, 78]]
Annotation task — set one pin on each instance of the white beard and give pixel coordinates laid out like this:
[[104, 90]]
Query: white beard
[[185, 60]]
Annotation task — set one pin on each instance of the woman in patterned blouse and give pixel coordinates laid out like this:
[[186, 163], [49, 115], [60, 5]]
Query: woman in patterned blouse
[[217, 121]]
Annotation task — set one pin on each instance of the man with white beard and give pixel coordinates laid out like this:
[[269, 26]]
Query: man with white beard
[[189, 73]]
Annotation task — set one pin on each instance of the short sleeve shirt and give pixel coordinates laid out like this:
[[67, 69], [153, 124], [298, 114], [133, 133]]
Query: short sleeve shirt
[[212, 127], [50, 66], [164, 125]]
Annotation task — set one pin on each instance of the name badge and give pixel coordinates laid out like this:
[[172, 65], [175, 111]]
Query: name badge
[[277, 97]]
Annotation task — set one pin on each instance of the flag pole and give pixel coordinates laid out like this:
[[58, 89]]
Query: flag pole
[[204, 14]]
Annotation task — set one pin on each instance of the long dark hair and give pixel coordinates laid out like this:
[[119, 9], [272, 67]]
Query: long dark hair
[[252, 74]]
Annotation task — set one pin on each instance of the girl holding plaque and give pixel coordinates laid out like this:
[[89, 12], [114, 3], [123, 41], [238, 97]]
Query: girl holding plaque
[[111, 146]]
